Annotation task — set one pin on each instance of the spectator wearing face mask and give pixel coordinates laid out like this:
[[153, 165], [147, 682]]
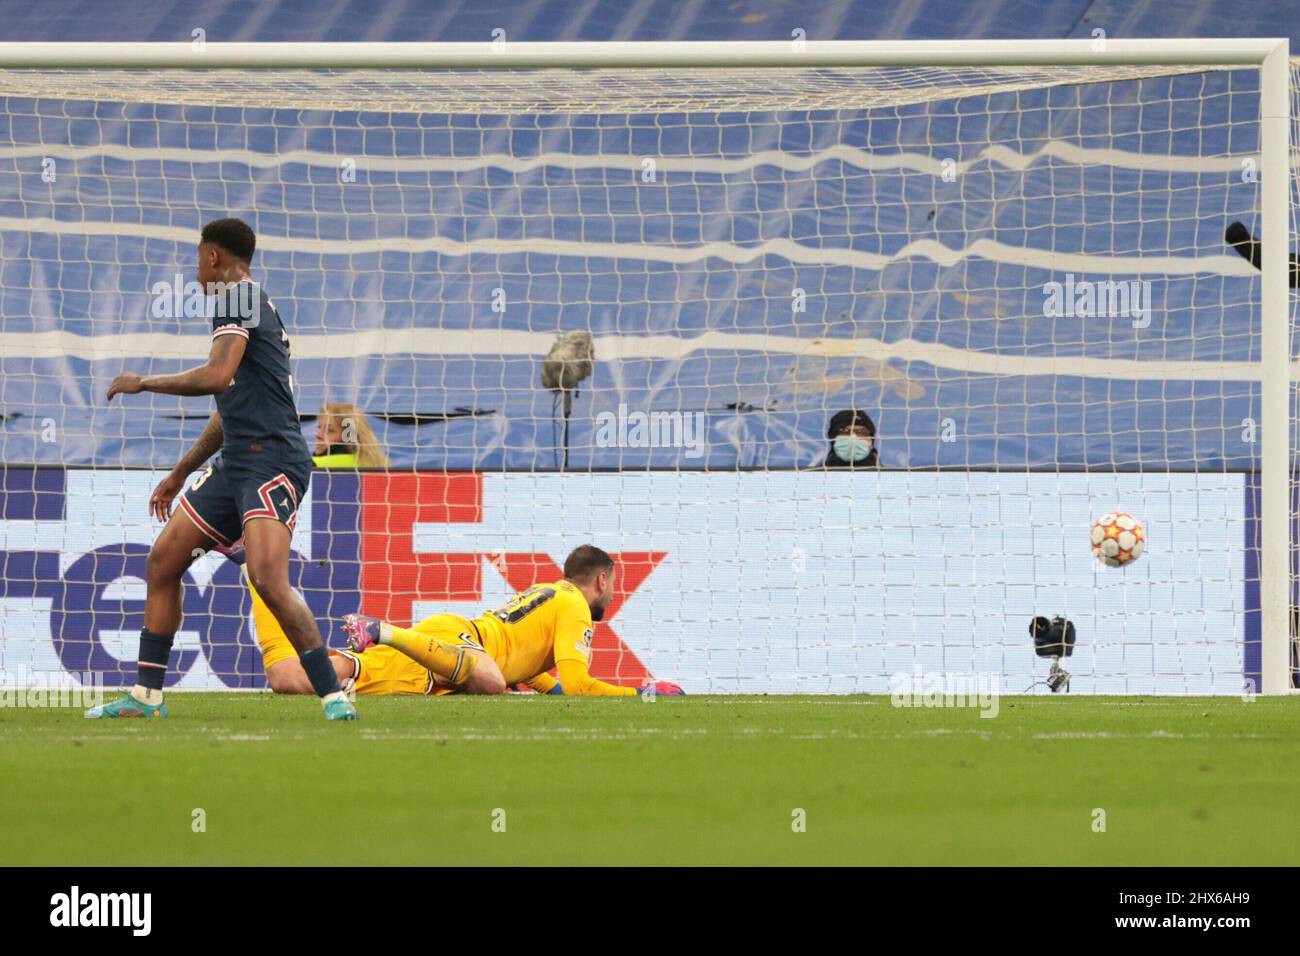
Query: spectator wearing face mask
[[853, 440]]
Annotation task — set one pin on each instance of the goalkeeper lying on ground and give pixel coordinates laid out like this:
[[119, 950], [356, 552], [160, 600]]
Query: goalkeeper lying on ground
[[548, 626]]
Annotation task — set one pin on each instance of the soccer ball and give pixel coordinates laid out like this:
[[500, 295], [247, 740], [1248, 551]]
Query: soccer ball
[[1117, 539]]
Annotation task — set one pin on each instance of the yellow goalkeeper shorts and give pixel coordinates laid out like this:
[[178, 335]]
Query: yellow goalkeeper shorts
[[386, 670], [382, 670]]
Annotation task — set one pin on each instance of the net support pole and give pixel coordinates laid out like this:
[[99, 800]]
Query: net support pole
[[1275, 392]]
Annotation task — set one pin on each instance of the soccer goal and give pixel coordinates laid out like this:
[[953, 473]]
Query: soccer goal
[[840, 347]]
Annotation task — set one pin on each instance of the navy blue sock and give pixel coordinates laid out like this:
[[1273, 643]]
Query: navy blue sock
[[320, 671], [151, 663]]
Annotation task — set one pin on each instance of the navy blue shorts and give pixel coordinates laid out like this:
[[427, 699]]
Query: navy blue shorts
[[229, 492]]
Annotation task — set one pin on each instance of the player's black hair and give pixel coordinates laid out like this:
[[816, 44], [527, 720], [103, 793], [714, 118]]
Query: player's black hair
[[840, 421], [847, 419], [585, 562], [233, 235]]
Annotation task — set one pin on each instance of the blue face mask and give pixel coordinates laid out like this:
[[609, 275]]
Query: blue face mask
[[852, 448]]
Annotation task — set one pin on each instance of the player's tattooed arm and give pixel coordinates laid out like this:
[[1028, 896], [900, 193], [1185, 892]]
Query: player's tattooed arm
[[207, 445], [211, 378], [160, 502]]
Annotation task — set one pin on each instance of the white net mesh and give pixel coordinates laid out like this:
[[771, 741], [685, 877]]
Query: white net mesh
[[1020, 276]]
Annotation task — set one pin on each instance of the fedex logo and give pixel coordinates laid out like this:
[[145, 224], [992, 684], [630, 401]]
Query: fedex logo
[[421, 542], [73, 546]]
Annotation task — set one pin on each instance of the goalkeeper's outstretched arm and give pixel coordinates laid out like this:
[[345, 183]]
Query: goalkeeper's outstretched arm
[[1252, 250], [577, 681], [546, 684]]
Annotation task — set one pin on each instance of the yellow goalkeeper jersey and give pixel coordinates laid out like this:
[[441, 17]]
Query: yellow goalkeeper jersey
[[546, 626]]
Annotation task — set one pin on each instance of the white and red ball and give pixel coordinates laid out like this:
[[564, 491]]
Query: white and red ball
[[1117, 539]]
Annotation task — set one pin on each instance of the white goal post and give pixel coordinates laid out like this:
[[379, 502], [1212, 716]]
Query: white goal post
[[1276, 374]]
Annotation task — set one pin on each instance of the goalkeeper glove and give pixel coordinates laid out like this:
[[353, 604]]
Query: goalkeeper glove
[[660, 688]]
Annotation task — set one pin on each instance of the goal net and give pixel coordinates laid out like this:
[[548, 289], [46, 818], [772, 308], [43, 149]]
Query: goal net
[[1018, 277]]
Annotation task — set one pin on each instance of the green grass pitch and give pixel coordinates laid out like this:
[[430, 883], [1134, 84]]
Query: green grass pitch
[[700, 780]]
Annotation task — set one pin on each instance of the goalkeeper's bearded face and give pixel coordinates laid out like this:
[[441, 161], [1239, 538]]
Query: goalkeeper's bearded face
[[602, 588]]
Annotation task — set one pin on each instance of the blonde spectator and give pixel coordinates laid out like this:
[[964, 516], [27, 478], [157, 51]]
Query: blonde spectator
[[344, 438]]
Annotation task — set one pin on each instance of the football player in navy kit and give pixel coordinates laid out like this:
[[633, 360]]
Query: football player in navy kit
[[252, 490]]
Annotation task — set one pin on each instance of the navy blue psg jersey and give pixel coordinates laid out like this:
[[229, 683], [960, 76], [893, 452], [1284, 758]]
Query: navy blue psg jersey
[[257, 411]]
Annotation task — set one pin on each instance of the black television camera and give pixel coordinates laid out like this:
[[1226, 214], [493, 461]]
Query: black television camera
[[1054, 639]]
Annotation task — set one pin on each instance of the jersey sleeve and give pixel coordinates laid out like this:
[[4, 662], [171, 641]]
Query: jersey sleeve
[[226, 318], [573, 631]]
